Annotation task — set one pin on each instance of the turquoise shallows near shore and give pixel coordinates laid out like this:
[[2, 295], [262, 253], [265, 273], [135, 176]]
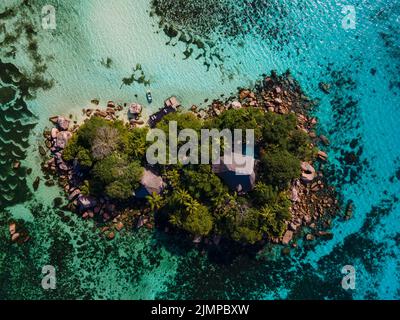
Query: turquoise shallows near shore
[[359, 115]]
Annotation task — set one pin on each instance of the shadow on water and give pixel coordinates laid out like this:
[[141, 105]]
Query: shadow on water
[[17, 86]]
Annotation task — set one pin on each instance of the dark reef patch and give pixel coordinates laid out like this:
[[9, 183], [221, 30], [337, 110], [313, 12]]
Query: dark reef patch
[[246, 277], [13, 118], [21, 37], [78, 256], [387, 18], [16, 87], [360, 247], [198, 278], [202, 26], [138, 76], [351, 164]]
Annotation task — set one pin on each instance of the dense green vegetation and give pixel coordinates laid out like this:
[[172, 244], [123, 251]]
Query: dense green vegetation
[[197, 200], [110, 155]]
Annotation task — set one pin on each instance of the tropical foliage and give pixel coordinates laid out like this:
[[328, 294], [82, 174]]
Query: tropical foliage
[[111, 154], [195, 199], [199, 202]]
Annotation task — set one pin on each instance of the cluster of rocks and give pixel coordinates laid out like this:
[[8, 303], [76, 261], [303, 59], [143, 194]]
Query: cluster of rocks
[[313, 203], [56, 140], [280, 94], [110, 113], [16, 165]]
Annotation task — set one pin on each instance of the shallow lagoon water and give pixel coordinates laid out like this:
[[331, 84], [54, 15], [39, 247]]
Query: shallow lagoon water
[[359, 116]]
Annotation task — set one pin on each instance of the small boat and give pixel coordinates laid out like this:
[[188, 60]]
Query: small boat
[[149, 97]]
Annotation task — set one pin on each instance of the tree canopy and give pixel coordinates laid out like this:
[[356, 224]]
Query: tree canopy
[[111, 154], [196, 200]]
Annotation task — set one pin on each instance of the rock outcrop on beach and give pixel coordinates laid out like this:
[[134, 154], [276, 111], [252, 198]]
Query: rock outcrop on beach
[[62, 139]]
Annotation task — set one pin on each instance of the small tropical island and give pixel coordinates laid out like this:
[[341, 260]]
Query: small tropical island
[[101, 165]]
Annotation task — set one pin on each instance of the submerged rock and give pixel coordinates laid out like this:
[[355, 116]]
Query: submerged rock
[[141, 221], [42, 151], [325, 87], [16, 165], [12, 228], [62, 166], [15, 237], [295, 195], [7, 94]]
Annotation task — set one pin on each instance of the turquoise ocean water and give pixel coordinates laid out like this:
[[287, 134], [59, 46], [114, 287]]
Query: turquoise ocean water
[[47, 72]]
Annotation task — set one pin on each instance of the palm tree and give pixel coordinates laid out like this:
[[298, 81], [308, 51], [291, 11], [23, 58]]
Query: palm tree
[[155, 201], [182, 197], [174, 219], [192, 206], [172, 176]]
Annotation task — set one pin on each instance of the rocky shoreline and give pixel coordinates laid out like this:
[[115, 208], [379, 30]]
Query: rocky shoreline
[[314, 202]]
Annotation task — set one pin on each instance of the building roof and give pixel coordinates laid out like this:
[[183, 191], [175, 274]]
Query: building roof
[[237, 171], [172, 102], [150, 183]]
